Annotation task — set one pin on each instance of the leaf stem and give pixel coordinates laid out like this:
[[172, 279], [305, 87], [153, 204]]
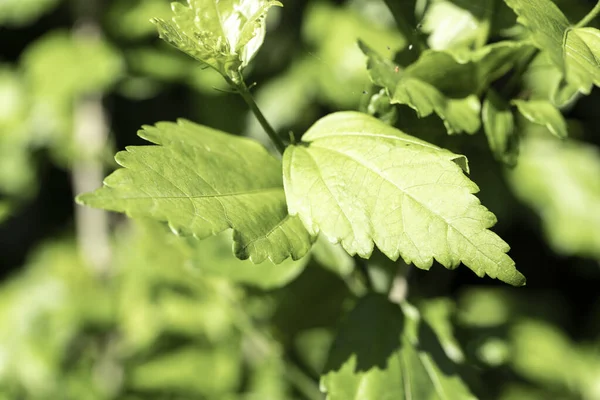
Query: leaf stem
[[244, 91], [590, 16]]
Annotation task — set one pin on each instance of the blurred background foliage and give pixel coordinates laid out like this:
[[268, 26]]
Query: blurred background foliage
[[174, 318]]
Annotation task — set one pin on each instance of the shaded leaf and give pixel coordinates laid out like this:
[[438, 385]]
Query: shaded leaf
[[203, 181], [383, 351], [543, 113], [364, 183], [499, 127], [224, 35]]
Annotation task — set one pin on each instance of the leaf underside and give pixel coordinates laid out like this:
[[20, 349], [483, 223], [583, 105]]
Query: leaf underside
[[363, 183], [202, 182]]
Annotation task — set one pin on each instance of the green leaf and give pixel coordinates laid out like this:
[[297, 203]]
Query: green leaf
[[443, 82], [213, 256], [22, 12], [332, 257], [559, 180], [224, 35], [203, 181], [383, 351], [499, 127], [450, 25], [575, 50], [543, 113], [363, 183]]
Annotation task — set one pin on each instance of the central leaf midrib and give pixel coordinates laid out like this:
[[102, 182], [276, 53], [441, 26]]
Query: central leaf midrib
[[217, 195], [385, 178]]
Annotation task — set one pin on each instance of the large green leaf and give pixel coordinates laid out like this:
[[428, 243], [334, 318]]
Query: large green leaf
[[499, 127], [203, 181], [575, 50], [559, 179], [224, 35], [386, 352], [543, 113], [364, 183]]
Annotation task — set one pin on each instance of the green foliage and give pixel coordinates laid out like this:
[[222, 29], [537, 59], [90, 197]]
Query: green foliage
[[407, 361], [225, 35], [234, 183], [361, 182], [499, 127], [573, 49], [239, 275]]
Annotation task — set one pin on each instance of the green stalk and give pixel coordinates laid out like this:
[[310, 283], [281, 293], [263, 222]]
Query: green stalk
[[243, 90], [590, 16]]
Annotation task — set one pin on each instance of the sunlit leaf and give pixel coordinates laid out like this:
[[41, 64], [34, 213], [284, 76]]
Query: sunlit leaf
[[363, 183], [203, 181], [543, 113], [499, 127], [575, 50], [559, 179], [224, 35], [383, 351]]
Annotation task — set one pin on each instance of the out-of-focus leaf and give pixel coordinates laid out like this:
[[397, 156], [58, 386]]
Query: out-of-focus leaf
[[42, 312], [543, 113], [179, 372], [363, 183], [313, 346], [438, 314], [22, 12], [299, 86], [58, 69], [130, 19], [213, 256], [575, 50], [5, 210], [162, 294], [333, 257], [237, 185], [559, 180], [543, 81], [222, 35], [499, 127], [450, 26], [407, 361], [17, 174], [267, 380], [545, 356], [334, 32]]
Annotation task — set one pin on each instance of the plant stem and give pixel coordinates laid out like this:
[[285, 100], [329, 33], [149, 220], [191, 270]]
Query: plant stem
[[303, 383], [363, 268], [247, 96], [404, 26], [590, 16]]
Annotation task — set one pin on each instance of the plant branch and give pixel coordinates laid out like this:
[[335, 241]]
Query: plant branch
[[90, 135], [589, 17], [243, 90]]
